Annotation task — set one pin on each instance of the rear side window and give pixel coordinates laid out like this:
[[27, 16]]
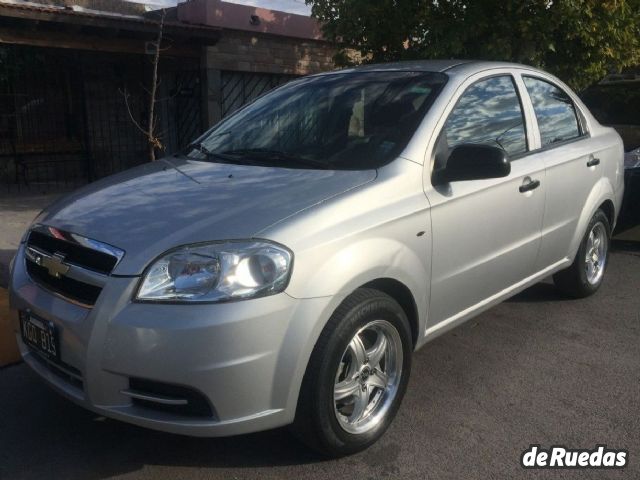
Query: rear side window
[[488, 113], [555, 112]]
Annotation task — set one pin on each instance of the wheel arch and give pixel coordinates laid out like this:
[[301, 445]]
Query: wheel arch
[[601, 197], [401, 294], [392, 286], [610, 211]]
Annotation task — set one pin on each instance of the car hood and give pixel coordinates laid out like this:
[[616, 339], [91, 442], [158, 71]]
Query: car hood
[[157, 206]]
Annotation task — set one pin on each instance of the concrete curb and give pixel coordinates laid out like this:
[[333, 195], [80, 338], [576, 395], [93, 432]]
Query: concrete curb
[[8, 348], [5, 260]]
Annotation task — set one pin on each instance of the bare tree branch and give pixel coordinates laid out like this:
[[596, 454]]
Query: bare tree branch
[[154, 142], [154, 139], [126, 95]]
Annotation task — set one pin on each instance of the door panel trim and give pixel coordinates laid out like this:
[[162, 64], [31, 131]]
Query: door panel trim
[[447, 324]]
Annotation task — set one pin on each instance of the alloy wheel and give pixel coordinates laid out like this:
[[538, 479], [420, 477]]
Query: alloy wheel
[[596, 253], [368, 376]]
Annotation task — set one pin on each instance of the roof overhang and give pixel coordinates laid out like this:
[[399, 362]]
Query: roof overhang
[[64, 27], [247, 18]]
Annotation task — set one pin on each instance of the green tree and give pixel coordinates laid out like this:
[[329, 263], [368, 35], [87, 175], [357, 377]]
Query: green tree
[[578, 40]]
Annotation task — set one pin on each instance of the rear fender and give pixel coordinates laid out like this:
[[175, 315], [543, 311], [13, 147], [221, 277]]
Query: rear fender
[[600, 193]]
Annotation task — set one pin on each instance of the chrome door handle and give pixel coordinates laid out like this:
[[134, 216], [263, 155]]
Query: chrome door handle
[[593, 162], [530, 185]]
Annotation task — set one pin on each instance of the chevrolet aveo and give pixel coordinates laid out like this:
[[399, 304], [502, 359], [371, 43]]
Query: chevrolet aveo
[[283, 268]]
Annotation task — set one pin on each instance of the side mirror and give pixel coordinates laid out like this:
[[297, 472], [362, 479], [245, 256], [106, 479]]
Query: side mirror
[[474, 162]]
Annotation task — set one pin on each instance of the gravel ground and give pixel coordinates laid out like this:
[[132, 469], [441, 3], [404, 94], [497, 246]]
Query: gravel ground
[[536, 369]]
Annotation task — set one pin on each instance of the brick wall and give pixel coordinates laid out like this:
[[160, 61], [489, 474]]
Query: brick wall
[[251, 52], [262, 54]]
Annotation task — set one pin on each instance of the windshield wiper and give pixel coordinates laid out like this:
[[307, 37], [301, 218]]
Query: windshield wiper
[[209, 154], [265, 154]]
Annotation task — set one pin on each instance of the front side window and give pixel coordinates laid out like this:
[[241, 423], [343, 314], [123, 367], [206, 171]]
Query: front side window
[[487, 113], [555, 112], [358, 120]]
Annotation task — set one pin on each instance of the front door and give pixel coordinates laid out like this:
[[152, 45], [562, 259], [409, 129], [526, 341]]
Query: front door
[[486, 233]]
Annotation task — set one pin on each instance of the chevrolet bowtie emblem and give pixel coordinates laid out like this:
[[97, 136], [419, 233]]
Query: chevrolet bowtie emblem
[[54, 264]]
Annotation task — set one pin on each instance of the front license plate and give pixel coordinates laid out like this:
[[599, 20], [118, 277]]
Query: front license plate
[[40, 334]]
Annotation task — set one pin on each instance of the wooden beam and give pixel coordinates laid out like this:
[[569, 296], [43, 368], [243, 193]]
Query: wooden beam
[[208, 35], [96, 43]]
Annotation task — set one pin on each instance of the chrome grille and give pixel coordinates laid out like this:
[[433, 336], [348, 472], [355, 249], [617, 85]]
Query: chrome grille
[[75, 249], [69, 265], [79, 292]]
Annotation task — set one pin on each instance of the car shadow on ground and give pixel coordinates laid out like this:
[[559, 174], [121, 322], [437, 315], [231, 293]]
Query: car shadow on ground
[[540, 292], [626, 240], [628, 246], [626, 237], [80, 444]]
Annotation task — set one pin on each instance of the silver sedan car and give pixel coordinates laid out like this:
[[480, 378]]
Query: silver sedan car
[[284, 267]]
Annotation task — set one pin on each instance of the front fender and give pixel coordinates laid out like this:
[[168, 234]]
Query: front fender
[[342, 272], [380, 230], [366, 260]]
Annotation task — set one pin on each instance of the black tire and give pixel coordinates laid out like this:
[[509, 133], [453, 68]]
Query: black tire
[[316, 423], [573, 280]]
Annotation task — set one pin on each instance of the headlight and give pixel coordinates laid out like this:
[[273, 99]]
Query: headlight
[[215, 272]]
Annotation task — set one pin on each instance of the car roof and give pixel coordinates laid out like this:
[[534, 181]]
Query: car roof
[[452, 66]]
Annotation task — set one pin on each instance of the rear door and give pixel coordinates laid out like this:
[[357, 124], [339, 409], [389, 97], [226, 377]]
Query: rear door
[[572, 169], [486, 233]]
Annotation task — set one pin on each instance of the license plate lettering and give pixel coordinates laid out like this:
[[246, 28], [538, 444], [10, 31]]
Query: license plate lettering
[[39, 334]]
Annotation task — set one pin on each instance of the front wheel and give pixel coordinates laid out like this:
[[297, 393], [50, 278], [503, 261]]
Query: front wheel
[[357, 375], [585, 275]]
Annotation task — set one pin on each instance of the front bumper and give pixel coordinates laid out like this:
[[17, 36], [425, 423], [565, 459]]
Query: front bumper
[[246, 358]]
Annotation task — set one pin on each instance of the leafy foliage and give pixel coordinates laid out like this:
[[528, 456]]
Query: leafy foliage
[[578, 40]]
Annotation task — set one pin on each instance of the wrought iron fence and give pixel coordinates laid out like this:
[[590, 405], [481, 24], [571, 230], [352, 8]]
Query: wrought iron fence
[[40, 115], [64, 121]]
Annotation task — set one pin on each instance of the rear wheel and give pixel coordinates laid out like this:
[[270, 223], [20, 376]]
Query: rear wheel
[[585, 275], [357, 375]]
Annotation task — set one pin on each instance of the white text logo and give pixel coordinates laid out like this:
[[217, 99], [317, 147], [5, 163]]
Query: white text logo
[[562, 457]]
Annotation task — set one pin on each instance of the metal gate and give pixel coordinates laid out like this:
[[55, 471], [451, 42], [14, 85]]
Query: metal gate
[[41, 119], [188, 116], [64, 120], [239, 88]]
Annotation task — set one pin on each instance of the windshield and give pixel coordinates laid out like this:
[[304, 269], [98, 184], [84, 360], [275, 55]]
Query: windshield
[[346, 121]]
